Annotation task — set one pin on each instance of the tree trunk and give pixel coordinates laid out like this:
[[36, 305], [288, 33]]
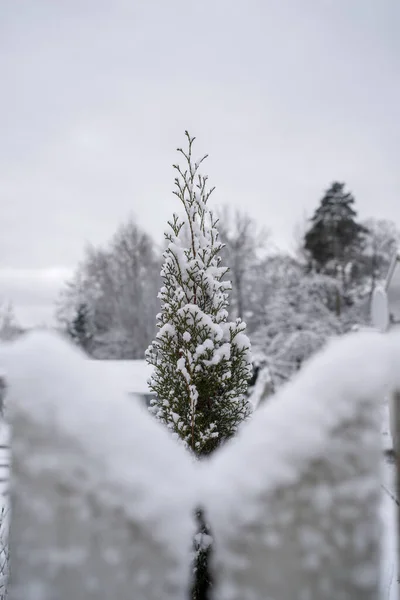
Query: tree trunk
[[202, 583]]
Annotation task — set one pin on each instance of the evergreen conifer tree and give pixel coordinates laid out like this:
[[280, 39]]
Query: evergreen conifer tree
[[334, 230], [79, 328], [201, 361]]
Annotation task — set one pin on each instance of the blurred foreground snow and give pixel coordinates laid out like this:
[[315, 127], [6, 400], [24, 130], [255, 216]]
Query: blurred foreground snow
[[101, 493], [389, 515], [104, 498]]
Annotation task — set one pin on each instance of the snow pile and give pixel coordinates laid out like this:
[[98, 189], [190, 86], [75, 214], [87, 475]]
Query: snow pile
[[104, 498], [102, 494], [294, 501]]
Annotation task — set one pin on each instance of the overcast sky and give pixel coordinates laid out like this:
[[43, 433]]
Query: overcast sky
[[284, 95]]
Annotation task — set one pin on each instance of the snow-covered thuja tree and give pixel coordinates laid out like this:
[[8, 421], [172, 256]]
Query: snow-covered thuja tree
[[202, 362]]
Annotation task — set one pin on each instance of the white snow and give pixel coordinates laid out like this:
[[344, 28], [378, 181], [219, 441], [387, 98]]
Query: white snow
[[389, 585], [194, 333], [290, 501], [312, 404], [281, 496], [73, 431]]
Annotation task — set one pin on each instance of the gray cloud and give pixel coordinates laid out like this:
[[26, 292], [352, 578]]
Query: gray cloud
[[285, 96]]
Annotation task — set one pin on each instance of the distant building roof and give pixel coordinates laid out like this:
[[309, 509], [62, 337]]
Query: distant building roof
[[131, 374]]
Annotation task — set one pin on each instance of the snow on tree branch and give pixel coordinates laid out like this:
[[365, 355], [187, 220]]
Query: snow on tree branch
[[201, 360]]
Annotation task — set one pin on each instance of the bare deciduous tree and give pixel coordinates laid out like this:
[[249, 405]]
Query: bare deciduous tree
[[118, 286], [245, 243], [380, 243]]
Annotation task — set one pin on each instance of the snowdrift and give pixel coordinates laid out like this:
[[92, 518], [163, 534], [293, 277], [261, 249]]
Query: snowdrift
[[103, 498]]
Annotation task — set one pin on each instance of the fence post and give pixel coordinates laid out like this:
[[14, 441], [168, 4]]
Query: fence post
[[396, 447]]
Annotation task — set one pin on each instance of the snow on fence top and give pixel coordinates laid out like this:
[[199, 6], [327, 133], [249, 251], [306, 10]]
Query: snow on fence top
[[94, 479], [294, 500], [104, 498]]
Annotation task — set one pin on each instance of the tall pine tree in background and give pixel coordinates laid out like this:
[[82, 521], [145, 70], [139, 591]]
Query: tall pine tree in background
[[335, 237], [334, 230], [201, 361]]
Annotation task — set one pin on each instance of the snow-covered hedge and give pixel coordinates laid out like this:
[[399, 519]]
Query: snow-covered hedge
[[101, 505], [103, 498]]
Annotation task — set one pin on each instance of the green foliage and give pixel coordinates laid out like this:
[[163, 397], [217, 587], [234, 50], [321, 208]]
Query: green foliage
[[334, 230], [201, 361], [80, 329]]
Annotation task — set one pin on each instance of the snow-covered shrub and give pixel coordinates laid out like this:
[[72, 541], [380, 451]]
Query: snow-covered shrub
[[298, 320], [201, 360]]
